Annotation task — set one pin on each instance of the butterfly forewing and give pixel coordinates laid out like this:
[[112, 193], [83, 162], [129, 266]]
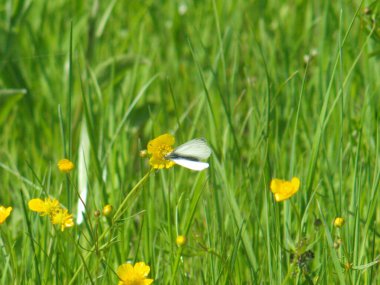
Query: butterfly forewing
[[196, 148]]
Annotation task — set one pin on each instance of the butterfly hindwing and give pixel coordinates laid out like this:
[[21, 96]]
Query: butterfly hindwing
[[190, 164]]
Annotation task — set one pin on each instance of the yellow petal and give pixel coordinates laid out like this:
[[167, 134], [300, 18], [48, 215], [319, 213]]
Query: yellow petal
[[37, 205], [165, 139], [339, 222], [296, 183], [142, 269], [279, 197], [124, 271], [275, 185], [4, 213], [44, 207], [61, 217], [148, 281]]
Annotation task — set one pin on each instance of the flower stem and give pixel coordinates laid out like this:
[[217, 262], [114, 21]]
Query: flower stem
[[135, 190], [120, 211]]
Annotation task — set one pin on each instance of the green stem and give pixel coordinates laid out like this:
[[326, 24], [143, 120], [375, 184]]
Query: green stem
[[120, 211]]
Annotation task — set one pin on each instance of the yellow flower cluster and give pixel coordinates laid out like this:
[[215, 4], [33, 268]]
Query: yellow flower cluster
[[4, 213], [52, 208], [128, 274], [134, 275]]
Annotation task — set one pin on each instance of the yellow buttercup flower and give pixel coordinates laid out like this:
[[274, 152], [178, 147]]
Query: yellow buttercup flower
[[65, 165], [4, 213], [180, 240], [107, 210], [52, 208], [283, 189], [63, 218], [338, 222], [158, 148], [43, 207], [134, 275]]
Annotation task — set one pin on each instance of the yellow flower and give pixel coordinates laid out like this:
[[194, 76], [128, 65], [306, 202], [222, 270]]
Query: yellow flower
[[63, 218], [283, 189], [52, 208], [65, 165], [44, 207], [107, 209], [339, 222], [4, 213], [159, 148], [134, 275], [180, 240]]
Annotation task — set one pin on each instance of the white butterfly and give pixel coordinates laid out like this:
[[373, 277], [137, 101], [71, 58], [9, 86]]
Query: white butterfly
[[190, 153]]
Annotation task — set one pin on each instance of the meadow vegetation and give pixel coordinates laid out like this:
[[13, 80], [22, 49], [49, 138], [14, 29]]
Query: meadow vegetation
[[279, 89]]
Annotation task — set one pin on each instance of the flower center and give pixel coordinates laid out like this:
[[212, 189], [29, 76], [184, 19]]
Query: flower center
[[164, 150]]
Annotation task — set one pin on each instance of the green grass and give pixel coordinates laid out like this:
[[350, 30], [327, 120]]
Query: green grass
[[278, 89]]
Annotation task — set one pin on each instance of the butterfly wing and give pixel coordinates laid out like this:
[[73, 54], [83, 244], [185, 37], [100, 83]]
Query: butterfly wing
[[191, 164], [196, 149]]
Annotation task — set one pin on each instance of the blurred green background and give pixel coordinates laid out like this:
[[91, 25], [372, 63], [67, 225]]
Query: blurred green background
[[278, 89]]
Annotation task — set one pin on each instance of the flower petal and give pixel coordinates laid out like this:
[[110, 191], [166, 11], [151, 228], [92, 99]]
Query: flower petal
[[142, 269], [296, 183], [280, 197], [148, 281], [37, 205], [165, 139], [276, 185], [158, 163], [124, 271], [4, 213]]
